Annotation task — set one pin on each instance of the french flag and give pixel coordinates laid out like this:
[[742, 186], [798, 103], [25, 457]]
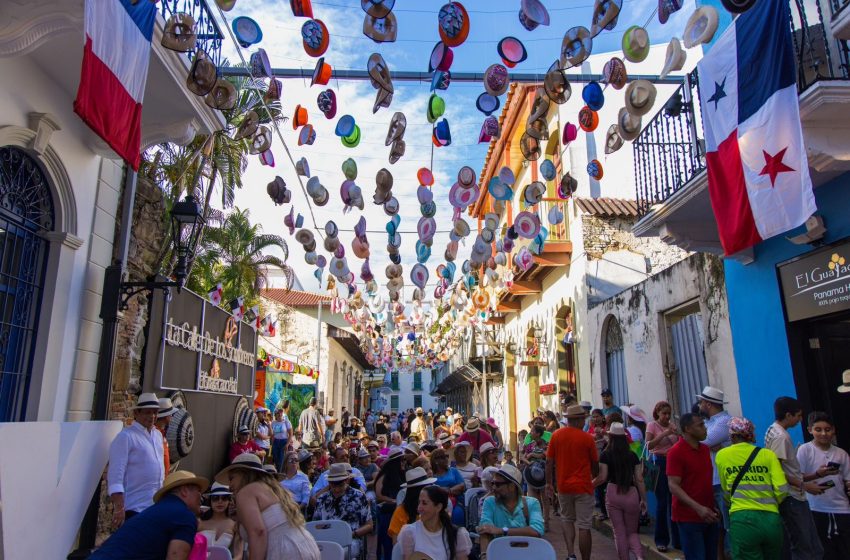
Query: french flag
[[758, 173], [114, 72]]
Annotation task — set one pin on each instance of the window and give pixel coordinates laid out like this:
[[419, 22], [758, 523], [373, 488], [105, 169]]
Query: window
[[615, 362], [689, 355], [394, 381], [417, 381], [417, 401], [394, 402]]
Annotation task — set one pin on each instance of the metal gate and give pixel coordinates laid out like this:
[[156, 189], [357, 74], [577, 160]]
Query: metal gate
[[689, 353], [26, 210], [615, 361]]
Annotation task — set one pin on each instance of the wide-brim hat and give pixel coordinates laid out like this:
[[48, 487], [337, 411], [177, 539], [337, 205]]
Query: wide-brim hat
[[379, 72], [701, 27], [636, 44], [615, 74], [640, 97], [499, 190], [261, 141], [315, 37], [180, 478], [396, 129], [556, 85], [636, 413], [260, 65], [166, 408], [202, 74], [218, 489], [302, 168], [512, 474], [417, 476], [301, 8], [512, 51], [321, 73], [613, 140], [247, 31], [530, 147], [496, 79], [377, 8], [617, 429], [419, 275], [381, 30], [486, 103], [576, 46], [535, 474], [426, 228], [532, 13], [712, 394], [667, 7], [453, 24], [675, 57], [147, 400], [628, 125], [533, 193], [605, 14], [462, 197], [473, 425], [337, 472], [179, 33], [248, 126], [485, 447], [547, 170], [244, 461], [304, 236], [595, 169], [576, 411], [441, 58], [738, 6]]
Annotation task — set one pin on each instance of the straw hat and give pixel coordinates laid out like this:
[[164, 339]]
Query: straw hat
[[640, 97], [147, 400], [675, 57], [576, 46], [166, 408], [417, 476], [180, 478], [473, 425], [576, 411], [628, 125], [511, 474], [179, 33], [617, 429], [337, 472], [712, 394], [245, 461], [701, 27], [218, 490], [636, 44]]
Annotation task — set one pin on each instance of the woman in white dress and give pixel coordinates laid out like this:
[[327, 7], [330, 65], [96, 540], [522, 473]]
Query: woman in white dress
[[216, 525], [269, 519], [433, 533]]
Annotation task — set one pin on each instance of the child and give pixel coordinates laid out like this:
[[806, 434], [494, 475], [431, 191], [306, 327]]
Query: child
[[509, 458], [822, 461]]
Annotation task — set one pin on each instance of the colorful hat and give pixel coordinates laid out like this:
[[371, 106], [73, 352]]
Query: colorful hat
[[512, 51], [556, 215], [202, 74], [381, 30], [527, 224], [588, 119], [486, 103], [524, 259], [302, 167], [301, 8], [701, 27], [499, 190], [260, 65], [576, 46], [436, 108], [442, 135], [423, 252], [426, 228], [594, 169], [322, 73], [675, 57], [666, 8], [615, 74], [441, 80], [377, 8], [532, 13], [453, 24], [496, 79], [547, 169], [345, 126], [635, 44], [353, 139], [628, 125], [441, 57], [489, 129], [326, 101], [179, 33], [425, 178], [506, 175], [530, 147], [533, 193], [462, 197], [743, 428], [738, 6], [247, 31], [605, 14], [640, 96], [419, 275], [315, 37], [273, 91], [613, 140], [299, 117], [592, 95], [349, 169], [556, 85], [317, 191], [267, 158], [307, 135]]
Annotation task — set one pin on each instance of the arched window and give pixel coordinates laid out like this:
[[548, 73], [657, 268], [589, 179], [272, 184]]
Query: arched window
[[615, 362], [26, 211]]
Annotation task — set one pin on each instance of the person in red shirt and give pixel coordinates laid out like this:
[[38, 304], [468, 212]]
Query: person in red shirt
[[572, 454], [689, 472], [475, 436], [163, 418], [244, 444]]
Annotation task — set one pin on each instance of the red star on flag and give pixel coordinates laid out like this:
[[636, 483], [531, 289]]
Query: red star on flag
[[773, 165]]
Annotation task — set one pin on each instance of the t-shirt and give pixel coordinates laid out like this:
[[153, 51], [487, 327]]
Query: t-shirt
[[450, 478], [477, 438], [368, 471], [312, 424], [573, 452], [718, 434], [694, 468], [662, 446], [778, 440], [467, 472], [416, 538], [614, 475], [282, 428], [494, 513], [146, 536], [237, 448], [833, 500], [763, 486], [547, 437]]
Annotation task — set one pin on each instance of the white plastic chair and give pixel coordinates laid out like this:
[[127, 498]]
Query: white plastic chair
[[332, 530], [331, 550], [218, 553], [520, 548]]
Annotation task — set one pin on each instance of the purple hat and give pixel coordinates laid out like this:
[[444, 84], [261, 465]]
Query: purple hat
[[441, 58], [487, 104], [527, 225], [496, 80], [327, 103], [426, 228], [442, 134], [533, 13], [489, 129], [419, 275]]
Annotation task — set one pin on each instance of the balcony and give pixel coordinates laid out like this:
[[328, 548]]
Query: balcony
[[840, 24], [670, 173], [47, 35]]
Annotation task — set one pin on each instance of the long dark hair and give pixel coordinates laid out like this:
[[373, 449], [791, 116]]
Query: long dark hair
[[439, 496], [411, 502], [393, 474], [621, 470]]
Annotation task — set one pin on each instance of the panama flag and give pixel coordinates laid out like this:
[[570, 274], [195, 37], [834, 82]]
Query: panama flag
[[114, 72], [758, 174]]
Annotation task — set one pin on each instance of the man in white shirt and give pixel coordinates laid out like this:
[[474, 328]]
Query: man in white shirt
[[311, 424], [136, 465], [417, 427]]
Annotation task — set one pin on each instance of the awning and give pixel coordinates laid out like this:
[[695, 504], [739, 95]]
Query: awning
[[350, 343]]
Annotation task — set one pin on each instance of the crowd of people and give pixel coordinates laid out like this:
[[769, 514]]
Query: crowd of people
[[445, 485]]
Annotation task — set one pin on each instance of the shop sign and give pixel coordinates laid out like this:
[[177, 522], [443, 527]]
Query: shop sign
[[817, 283], [549, 389], [195, 345]]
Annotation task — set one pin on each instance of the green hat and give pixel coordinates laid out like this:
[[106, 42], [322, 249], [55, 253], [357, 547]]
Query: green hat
[[436, 107], [353, 140], [349, 169]]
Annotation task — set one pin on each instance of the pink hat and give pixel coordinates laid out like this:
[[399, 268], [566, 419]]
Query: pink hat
[[492, 423]]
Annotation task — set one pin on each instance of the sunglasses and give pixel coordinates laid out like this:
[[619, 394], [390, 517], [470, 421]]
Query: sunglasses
[[498, 484], [219, 499]]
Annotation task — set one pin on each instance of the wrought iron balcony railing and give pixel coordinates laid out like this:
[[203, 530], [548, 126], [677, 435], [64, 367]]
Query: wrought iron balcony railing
[[210, 37], [670, 150], [559, 232]]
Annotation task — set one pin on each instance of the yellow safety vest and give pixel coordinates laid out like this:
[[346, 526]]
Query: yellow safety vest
[[762, 488]]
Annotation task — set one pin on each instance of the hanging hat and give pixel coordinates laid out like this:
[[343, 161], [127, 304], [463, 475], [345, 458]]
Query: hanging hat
[[453, 24], [738, 6], [512, 51], [261, 141], [222, 96], [419, 275], [397, 150], [675, 57], [533, 193], [322, 73], [391, 206], [326, 100], [614, 73], [613, 140], [442, 135], [441, 58], [532, 13], [547, 169], [499, 190], [530, 147], [307, 135], [305, 237], [496, 80], [506, 175], [605, 14], [527, 224], [345, 126], [701, 27], [556, 215], [588, 119], [317, 191], [273, 91], [315, 37], [377, 8], [381, 30], [441, 80], [636, 44], [462, 197], [260, 65], [248, 126], [202, 74], [179, 33], [426, 228], [486, 103], [396, 129], [225, 5], [379, 75], [640, 97], [436, 108], [570, 133], [524, 259], [489, 129], [628, 125], [425, 178], [278, 192], [267, 158], [666, 8], [556, 85], [247, 31], [353, 139], [567, 186], [593, 96], [423, 252], [576, 46], [349, 169], [302, 167], [299, 117], [594, 169], [301, 8]]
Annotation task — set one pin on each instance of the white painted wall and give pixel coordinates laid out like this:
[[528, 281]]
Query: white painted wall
[[406, 393]]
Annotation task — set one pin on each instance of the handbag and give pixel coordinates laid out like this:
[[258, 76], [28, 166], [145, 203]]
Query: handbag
[[651, 471]]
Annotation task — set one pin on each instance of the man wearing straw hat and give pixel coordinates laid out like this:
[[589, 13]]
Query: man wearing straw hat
[[136, 462], [507, 512], [346, 503], [164, 530]]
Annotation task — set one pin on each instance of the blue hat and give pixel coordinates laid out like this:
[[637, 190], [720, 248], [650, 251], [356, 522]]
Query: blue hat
[[441, 80], [592, 96], [499, 190], [423, 252], [442, 134], [547, 169], [247, 31], [488, 104], [345, 126]]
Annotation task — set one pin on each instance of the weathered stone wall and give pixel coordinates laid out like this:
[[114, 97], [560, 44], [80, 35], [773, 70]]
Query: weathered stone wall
[[604, 235]]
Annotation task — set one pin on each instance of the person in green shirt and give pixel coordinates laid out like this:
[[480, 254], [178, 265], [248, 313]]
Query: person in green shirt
[[753, 494], [507, 512]]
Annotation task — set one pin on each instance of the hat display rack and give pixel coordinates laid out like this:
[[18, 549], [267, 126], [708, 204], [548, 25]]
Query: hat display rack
[[395, 332]]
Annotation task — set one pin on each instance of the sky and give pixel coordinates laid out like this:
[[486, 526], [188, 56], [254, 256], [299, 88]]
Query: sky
[[350, 49]]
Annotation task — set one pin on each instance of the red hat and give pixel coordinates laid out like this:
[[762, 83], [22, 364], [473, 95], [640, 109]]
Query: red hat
[[302, 8], [322, 73], [315, 37], [299, 118], [453, 24]]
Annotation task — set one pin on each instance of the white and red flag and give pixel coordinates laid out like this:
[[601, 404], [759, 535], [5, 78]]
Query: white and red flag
[[215, 294], [758, 174], [115, 68]]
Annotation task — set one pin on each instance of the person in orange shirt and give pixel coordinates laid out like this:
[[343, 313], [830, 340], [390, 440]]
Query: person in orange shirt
[[163, 418]]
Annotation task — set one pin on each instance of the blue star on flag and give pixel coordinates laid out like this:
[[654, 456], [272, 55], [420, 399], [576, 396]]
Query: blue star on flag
[[718, 94]]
